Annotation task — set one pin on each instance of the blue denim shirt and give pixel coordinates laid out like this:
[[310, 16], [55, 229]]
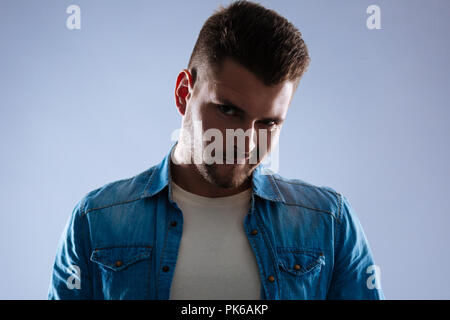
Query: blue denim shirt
[[122, 240]]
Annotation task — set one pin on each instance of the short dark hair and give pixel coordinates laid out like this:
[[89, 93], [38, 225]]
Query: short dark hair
[[258, 38]]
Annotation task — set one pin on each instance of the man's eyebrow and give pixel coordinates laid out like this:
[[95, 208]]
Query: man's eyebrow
[[226, 102]]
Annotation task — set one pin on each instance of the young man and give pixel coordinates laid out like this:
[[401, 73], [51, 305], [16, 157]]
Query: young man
[[192, 228]]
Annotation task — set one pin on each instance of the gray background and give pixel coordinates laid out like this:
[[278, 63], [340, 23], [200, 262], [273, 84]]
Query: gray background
[[81, 108]]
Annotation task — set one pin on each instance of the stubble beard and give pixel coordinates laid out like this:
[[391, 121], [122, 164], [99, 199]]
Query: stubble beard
[[234, 177]]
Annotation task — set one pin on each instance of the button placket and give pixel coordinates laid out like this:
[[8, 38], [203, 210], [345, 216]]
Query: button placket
[[257, 240]]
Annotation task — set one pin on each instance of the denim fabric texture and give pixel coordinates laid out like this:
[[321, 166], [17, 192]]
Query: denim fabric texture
[[122, 240]]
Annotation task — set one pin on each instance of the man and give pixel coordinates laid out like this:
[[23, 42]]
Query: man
[[192, 228]]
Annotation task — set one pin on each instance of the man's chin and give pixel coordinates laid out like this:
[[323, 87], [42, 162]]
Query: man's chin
[[228, 175]]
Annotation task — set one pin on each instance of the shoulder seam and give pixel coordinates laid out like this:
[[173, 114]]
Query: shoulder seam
[[334, 193], [85, 212], [306, 207], [339, 203], [297, 183]]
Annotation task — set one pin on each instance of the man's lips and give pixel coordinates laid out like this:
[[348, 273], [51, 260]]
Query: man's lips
[[236, 160], [245, 157]]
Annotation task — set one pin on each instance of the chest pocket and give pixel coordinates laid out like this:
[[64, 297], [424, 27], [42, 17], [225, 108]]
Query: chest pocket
[[300, 272], [123, 272]]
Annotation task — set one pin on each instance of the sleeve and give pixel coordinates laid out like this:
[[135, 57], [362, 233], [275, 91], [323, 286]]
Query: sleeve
[[355, 274], [70, 279]]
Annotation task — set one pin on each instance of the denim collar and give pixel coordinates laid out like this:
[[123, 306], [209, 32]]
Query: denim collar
[[263, 182]]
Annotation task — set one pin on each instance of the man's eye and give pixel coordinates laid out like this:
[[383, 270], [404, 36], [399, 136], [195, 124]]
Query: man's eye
[[229, 111], [269, 123]]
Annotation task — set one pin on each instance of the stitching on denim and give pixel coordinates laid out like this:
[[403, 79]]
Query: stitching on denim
[[339, 201], [125, 246], [263, 281], [340, 220], [298, 250], [141, 256], [297, 183], [271, 252], [149, 180], [310, 208], [110, 205], [306, 185], [252, 240], [337, 227], [85, 212], [334, 256], [162, 255], [336, 235], [84, 221], [317, 256], [318, 261], [308, 269], [275, 186], [302, 205]]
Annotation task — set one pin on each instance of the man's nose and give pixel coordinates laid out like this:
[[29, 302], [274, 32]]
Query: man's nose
[[250, 141]]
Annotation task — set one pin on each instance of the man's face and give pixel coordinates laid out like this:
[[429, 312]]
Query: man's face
[[235, 99]]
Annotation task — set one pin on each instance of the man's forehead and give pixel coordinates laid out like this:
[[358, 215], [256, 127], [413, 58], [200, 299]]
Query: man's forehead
[[249, 96], [233, 82]]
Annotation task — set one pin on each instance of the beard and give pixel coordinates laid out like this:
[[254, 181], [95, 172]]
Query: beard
[[227, 176]]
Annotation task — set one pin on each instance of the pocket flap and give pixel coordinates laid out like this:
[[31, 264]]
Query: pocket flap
[[299, 261], [120, 257]]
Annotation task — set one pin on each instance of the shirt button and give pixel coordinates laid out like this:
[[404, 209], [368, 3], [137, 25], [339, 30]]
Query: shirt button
[[165, 268], [173, 223], [119, 263], [271, 278], [254, 232], [297, 267]]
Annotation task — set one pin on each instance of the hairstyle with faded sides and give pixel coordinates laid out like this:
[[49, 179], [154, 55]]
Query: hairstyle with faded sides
[[260, 39]]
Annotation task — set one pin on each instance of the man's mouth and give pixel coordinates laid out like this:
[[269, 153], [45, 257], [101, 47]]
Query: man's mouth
[[236, 160]]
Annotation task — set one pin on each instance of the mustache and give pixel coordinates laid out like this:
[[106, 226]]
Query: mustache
[[241, 155]]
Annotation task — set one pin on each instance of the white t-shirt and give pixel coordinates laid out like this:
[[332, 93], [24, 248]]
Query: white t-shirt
[[215, 259]]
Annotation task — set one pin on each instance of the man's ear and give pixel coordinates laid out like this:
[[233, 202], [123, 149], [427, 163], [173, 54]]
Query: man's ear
[[183, 90]]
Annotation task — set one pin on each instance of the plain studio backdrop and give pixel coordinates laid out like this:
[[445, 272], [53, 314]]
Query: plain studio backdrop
[[80, 108]]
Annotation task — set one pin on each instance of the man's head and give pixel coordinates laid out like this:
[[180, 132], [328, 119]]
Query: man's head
[[258, 38], [242, 74]]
